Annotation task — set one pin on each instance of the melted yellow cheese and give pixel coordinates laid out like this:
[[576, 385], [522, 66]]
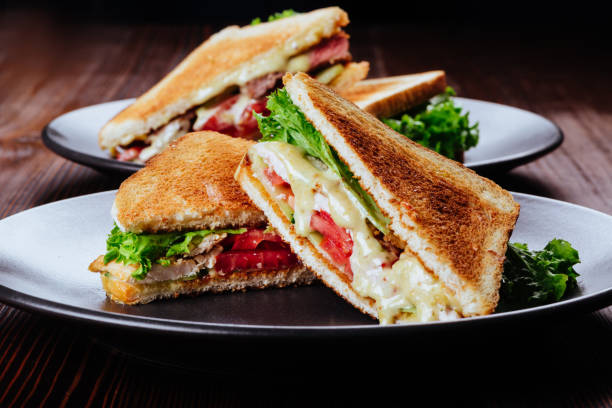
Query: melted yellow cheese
[[282, 59], [403, 292], [418, 295]]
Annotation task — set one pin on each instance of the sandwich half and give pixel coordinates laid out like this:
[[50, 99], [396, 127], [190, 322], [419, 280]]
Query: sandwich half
[[223, 81], [399, 231], [420, 107], [184, 226]]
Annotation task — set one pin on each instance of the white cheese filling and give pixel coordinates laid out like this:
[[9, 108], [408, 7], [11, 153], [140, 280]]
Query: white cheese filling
[[161, 138], [403, 292]]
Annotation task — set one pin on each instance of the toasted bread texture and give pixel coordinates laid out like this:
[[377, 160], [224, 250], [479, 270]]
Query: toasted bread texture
[[131, 293], [391, 96], [352, 74], [456, 222], [228, 58], [188, 186]]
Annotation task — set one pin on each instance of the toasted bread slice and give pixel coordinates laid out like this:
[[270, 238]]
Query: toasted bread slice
[[391, 96], [454, 221], [188, 186], [352, 74], [131, 293], [228, 58]]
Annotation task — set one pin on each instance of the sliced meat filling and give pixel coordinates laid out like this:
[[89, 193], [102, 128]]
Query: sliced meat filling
[[233, 114], [217, 255]]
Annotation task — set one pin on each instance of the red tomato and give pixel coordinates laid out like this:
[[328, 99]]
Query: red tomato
[[337, 242], [230, 261], [281, 185], [218, 125], [227, 104], [252, 238], [130, 153], [257, 106], [248, 127], [274, 178], [215, 122]]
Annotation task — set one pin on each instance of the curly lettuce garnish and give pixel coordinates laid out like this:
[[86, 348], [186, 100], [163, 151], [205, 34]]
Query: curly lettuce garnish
[[439, 125], [533, 278], [275, 16]]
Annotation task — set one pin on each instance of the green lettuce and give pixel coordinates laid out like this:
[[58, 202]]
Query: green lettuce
[[146, 249], [438, 125], [534, 278], [275, 16], [287, 123]]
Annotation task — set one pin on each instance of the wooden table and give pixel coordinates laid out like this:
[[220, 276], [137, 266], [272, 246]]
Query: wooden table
[[49, 66]]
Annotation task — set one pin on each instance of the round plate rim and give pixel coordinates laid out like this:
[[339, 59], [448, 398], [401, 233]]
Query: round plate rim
[[32, 303], [101, 163]]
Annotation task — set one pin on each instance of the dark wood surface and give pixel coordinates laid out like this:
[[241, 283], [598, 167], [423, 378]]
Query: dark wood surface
[[49, 66]]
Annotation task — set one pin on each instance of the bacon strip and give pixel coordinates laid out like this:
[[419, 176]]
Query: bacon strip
[[258, 87], [330, 50]]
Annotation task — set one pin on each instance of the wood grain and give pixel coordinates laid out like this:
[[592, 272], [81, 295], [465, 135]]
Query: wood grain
[[49, 66]]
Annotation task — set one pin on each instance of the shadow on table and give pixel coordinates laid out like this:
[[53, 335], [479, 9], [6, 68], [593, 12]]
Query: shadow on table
[[522, 183], [544, 360]]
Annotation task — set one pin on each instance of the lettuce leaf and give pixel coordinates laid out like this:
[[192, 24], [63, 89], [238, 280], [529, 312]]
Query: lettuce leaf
[[275, 16], [534, 278], [438, 125], [146, 249], [287, 123]]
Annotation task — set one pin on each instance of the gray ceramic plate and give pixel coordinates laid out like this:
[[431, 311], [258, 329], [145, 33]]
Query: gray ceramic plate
[[45, 251], [508, 136]]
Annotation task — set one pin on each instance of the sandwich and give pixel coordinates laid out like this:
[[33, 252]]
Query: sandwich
[[184, 226], [399, 231], [419, 106], [225, 79]]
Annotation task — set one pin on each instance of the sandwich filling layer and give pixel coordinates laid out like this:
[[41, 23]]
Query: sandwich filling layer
[[237, 96], [324, 210], [152, 258]]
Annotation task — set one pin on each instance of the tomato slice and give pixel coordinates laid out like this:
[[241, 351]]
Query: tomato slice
[[282, 186], [230, 261], [322, 222], [254, 249], [246, 127], [337, 242], [247, 118], [217, 124], [221, 126], [252, 238], [130, 153], [274, 178]]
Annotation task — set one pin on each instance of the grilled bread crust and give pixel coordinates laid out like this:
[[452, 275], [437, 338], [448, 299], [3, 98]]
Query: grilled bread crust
[[353, 73], [228, 51], [329, 274], [190, 185], [139, 293], [457, 222], [391, 96]]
